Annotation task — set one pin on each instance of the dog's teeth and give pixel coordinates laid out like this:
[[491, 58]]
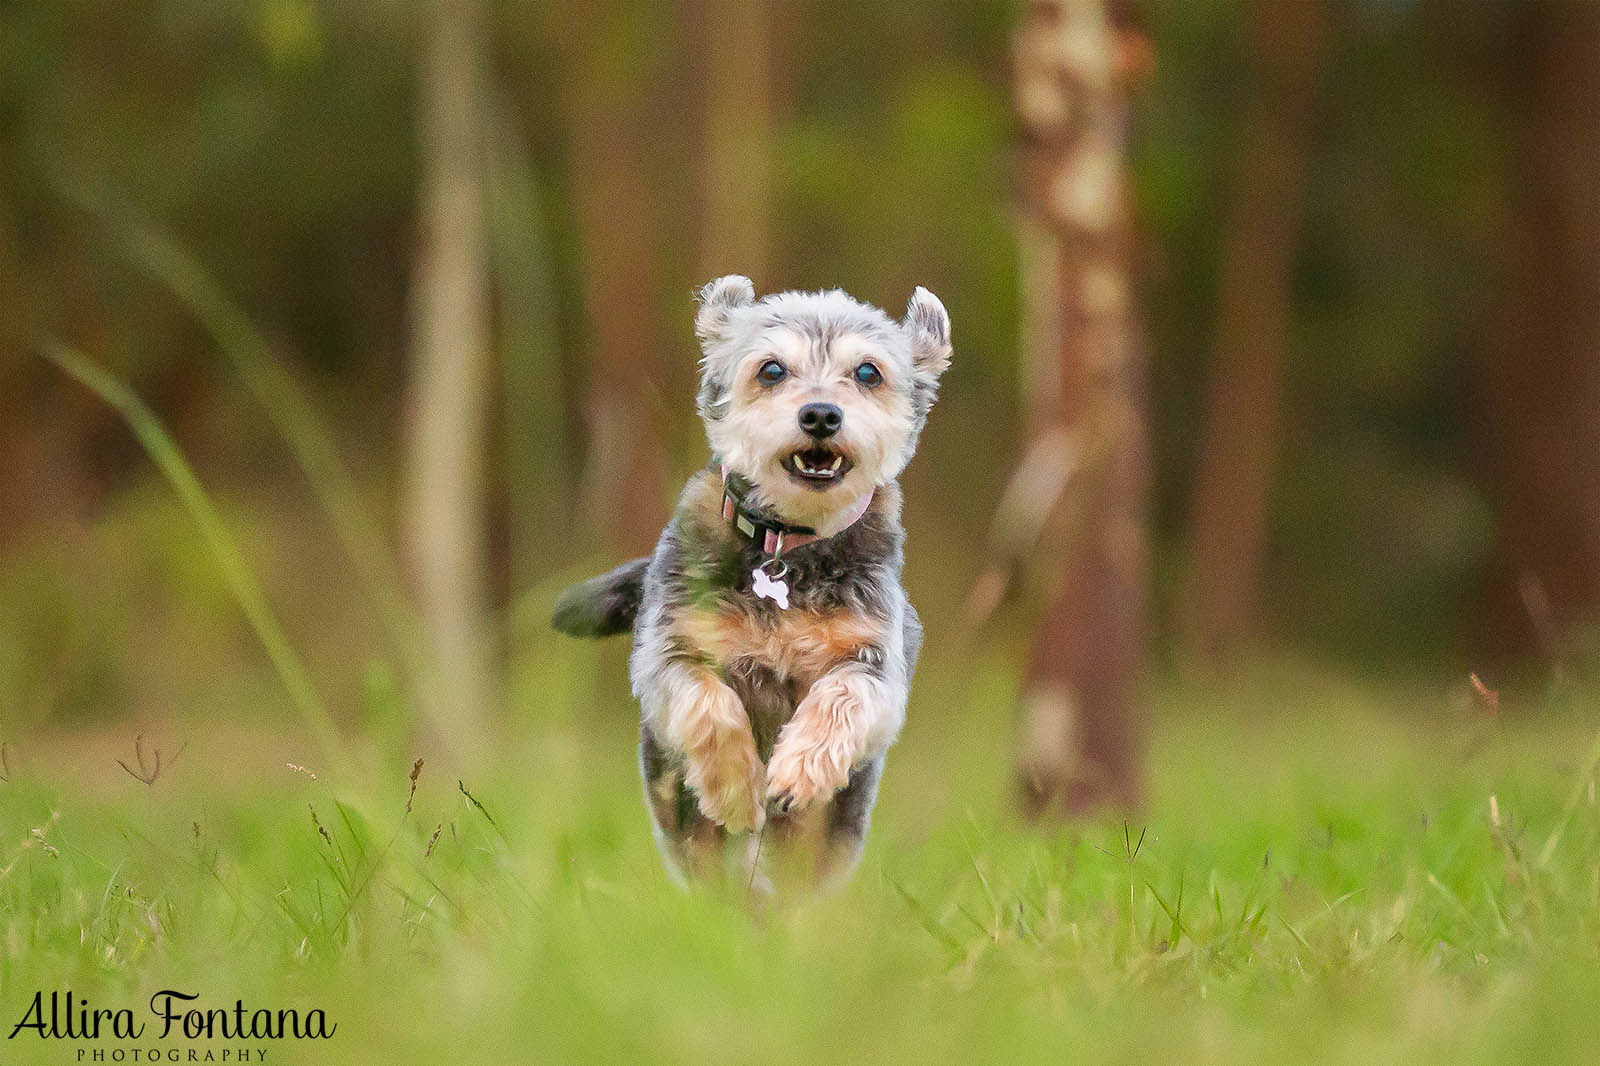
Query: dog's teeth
[[805, 466]]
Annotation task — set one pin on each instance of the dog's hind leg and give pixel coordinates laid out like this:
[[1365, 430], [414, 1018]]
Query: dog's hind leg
[[691, 844], [849, 815]]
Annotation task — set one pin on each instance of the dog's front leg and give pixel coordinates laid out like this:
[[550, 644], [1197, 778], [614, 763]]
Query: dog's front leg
[[690, 710], [850, 714]]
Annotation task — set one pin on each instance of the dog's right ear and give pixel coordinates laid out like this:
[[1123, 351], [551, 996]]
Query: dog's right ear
[[717, 299]]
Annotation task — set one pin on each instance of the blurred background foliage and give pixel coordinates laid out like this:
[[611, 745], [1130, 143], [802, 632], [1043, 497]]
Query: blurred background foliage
[[277, 142]]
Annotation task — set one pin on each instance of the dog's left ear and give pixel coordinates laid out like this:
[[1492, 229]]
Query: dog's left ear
[[928, 325]]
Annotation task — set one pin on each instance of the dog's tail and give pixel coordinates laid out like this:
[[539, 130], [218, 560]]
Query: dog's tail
[[604, 605]]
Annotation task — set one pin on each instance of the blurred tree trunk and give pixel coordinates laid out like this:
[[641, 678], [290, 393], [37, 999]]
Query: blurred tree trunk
[[621, 488], [1078, 744], [1228, 517], [738, 166], [445, 507], [1537, 374], [536, 473]]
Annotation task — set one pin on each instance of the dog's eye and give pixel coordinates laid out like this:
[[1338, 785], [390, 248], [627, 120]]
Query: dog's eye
[[771, 372], [869, 375]]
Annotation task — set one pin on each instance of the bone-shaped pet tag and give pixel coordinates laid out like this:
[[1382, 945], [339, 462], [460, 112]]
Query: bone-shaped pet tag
[[774, 589]]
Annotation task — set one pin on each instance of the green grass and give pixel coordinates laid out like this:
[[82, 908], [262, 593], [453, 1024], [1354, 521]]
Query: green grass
[[1321, 878], [1326, 871]]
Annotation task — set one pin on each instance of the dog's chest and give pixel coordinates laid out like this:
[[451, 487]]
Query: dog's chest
[[795, 646], [770, 657]]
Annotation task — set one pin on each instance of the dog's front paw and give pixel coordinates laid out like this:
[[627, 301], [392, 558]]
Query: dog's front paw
[[804, 770], [729, 784]]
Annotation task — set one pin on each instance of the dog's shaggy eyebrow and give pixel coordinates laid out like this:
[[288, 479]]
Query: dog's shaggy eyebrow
[[783, 341], [821, 322]]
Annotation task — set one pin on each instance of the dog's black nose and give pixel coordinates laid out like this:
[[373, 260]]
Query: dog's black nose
[[821, 420]]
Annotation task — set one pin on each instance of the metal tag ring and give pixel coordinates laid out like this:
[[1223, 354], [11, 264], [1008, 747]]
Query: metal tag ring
[[783, 568]]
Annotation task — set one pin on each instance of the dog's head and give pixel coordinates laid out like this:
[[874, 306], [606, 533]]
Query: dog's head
[[816, 398]]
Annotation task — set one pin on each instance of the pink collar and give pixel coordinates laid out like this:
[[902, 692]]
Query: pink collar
[[777, 534]]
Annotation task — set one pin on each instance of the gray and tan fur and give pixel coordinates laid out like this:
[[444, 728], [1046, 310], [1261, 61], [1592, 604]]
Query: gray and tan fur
[[754, 715]]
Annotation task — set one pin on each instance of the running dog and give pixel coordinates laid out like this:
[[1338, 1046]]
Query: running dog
[[772, 643]]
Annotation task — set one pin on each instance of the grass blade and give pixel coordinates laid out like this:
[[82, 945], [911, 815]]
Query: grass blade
[[1580, 788], [291, 414], [165, 261], [219, 542]]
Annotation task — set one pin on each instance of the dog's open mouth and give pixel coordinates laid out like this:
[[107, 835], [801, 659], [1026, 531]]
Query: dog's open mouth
[[818, 465]]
